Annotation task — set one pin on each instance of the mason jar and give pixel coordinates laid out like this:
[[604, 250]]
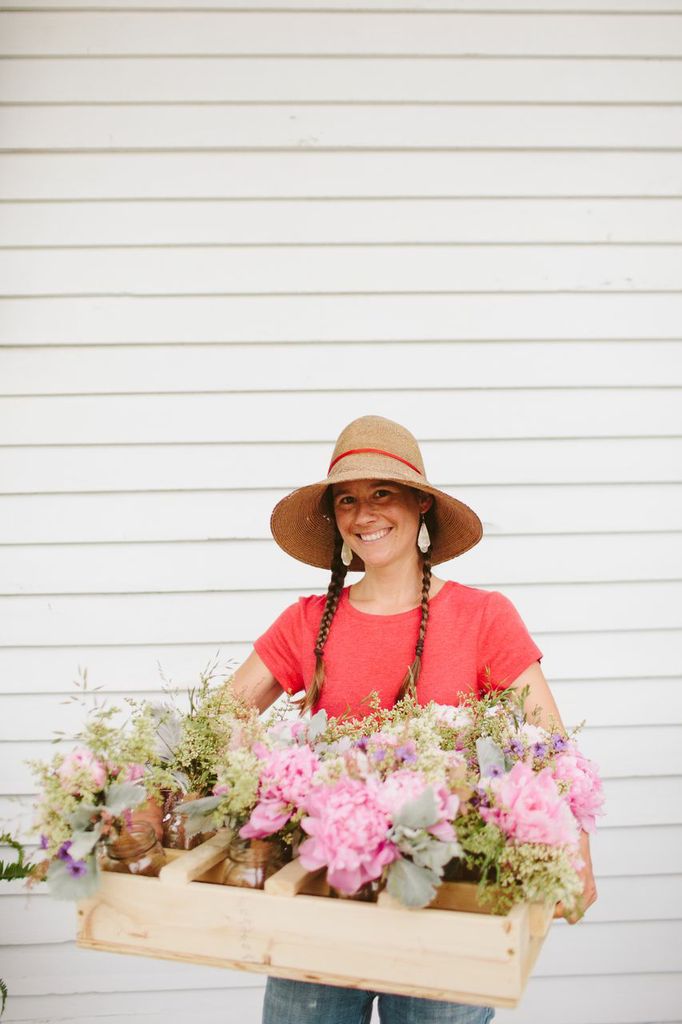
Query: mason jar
[[133, 851]]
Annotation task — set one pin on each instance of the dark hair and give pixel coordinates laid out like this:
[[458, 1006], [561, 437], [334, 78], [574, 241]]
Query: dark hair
[[409, 683]]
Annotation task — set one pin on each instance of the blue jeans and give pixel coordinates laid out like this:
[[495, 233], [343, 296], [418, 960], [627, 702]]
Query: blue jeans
[[303, 1002]]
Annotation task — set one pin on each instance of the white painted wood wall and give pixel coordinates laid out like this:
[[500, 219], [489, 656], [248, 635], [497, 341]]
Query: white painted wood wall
[[228, 230]]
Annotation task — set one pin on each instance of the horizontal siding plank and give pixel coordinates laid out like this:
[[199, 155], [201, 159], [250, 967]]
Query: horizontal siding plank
[[274, 469], [244, 1003], [175, 368], [257, 565], [221, 515], [235, 222], [632, 655], [386, 6], [238, 616], [255, 271], [343, 79], [297, 318], [292, 416], [188, 126], [607, 703], [244, 174], [64, 968], [297, 32]]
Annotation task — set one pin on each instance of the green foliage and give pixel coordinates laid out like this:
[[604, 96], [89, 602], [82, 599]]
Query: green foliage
[[13, 870]]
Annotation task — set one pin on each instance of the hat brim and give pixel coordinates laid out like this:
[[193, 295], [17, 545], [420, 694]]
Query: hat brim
[[302, 527]]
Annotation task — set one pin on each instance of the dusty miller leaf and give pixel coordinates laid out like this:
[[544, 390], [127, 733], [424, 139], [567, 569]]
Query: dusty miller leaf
[[412, 885]]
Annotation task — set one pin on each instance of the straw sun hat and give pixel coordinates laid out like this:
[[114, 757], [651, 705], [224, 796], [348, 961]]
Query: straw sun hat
[[370, 448]]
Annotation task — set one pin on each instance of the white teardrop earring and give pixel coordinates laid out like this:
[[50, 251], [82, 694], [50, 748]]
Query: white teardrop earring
[[346, 554], [423, 539]]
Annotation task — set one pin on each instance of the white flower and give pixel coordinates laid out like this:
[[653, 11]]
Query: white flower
[[534, 733]]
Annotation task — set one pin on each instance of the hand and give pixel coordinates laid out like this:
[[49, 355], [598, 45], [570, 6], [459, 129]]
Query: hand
[[589, 885]]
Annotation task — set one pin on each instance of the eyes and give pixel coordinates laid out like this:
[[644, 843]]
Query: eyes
[[381, 494]]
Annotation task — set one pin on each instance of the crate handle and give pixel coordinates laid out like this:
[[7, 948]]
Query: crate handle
[[195, 862]]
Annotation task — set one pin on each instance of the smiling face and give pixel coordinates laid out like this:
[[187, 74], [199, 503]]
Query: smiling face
[[379, 519]]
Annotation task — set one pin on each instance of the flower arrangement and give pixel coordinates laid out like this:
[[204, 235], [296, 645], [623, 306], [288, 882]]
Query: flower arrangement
[[87, 795], [404, 798]]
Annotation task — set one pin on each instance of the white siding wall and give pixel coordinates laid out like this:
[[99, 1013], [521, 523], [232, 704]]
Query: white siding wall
[[225, 233]]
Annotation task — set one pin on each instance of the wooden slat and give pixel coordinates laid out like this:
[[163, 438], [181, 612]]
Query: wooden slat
[[291, 32], [300, 79], [195, 175], [273, 469], [387, 6], [595, 948], [122, 1006], [519, 412], [171, 368], [53, 668], [332, 318], [218, 515], [338, 270], [188, 126], [235, 617], [258, 565], [427, 219]]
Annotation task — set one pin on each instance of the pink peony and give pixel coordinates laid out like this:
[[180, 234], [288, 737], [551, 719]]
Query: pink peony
[[285, 780], [529, 808], [404, 786], [81, 770], [348, 827], [585, 793]]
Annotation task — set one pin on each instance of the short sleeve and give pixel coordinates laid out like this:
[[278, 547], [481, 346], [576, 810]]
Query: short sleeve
[[280, 646], [505, 647]]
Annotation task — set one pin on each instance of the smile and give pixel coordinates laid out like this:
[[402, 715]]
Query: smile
[[367, 538]]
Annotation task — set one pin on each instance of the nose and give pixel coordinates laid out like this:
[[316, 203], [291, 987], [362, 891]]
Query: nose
[[364, 512]]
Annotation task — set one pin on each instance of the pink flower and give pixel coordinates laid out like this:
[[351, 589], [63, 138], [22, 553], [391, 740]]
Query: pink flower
[[529, 808], [221, 790], [285, 780], [404, 786], [348, 827], [585, 793], [134, 772], [81, 770], [266, 818]]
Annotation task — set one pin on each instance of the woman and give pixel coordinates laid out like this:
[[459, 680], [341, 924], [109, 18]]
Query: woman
[[399, 630]]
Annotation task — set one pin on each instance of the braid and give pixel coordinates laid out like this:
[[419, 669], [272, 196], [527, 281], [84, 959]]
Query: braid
[[409, 683], [339, 570]]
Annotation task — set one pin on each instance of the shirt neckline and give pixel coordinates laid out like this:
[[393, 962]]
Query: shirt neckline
[[352, 610]]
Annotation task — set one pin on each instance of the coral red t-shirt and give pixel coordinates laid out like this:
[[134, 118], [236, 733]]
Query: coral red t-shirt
[[468, 630]]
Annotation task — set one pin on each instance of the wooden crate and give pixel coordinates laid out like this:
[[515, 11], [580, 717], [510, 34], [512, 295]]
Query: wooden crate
[[451, 950]]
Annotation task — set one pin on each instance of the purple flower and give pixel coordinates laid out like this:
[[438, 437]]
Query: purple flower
[[494, 771], [539, 750], [379, 755], [407, 752], [44, 841], [63, 851], [559, 743], [516, 748], [77, 868], [362, 743]]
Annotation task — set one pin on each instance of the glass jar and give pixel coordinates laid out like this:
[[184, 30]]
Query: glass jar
[[175, 825], [367, 893], [250, 862], [133, 851]]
